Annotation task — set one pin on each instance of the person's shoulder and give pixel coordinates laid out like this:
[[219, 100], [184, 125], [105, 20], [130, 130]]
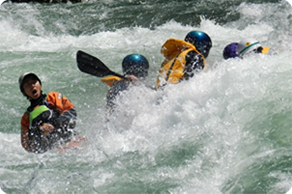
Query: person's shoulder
[[118, 87], [121, 84], [55, 95]]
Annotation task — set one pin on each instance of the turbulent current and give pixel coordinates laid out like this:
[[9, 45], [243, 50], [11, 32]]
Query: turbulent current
[[227, 130]]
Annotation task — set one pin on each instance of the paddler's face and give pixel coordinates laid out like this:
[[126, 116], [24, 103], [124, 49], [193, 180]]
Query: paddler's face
[[32, 88]]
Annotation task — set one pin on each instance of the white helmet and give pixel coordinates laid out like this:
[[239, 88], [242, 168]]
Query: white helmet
[[247, 45]]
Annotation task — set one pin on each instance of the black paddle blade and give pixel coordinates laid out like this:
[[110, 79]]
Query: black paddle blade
[[92, 65]]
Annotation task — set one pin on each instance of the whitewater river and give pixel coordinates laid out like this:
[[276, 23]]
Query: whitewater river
[[227, 130]]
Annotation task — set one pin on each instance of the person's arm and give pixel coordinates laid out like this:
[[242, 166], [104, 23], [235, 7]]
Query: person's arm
[[25, 142], [194, 64], [33, 139], [62, 104], [66, 120]]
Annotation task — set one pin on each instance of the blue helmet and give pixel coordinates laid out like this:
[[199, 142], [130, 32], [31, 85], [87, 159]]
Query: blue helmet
[[201, 41], [136, 65], [230, 51]]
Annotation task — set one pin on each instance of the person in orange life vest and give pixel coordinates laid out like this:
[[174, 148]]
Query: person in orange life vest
[[183, 58], [135, 68], [49, 120]]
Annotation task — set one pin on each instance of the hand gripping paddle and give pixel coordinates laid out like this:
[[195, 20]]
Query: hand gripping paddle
[[93, 66]]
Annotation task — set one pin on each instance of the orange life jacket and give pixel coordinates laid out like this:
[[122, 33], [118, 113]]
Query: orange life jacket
[[55, 101]]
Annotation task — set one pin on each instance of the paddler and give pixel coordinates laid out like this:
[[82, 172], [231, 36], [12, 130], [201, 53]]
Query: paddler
[[135, 68], [184, 58], [49, 120], [245, 47]]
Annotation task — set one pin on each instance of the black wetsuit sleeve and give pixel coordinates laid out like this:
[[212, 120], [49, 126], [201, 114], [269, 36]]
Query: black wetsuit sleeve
[[194, 64], [67, 120], [114, 91]]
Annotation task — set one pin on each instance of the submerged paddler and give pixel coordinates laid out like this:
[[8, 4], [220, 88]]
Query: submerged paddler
[[135, 68], [245, 47], [184, 58], [49, 120]]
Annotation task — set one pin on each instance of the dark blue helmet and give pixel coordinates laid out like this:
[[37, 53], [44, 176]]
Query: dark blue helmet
[[201, 41], [136, 65], [230, 51]]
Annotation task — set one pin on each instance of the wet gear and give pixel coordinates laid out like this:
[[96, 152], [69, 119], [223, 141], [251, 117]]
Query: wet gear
[[41, 114], [136, 65], [182, 60], [230, 51], [201, 41]]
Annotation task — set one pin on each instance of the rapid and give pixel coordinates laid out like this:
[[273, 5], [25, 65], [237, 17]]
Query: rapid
[[227, 130]]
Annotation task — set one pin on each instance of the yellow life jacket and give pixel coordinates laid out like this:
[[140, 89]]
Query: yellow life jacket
[[172, 69], [110, 80]]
